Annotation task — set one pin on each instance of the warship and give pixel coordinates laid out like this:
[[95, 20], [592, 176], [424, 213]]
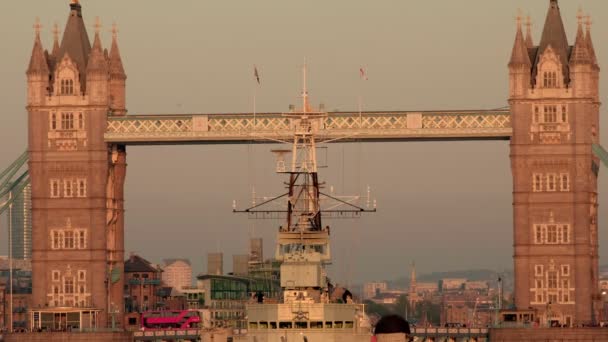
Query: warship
[[307, 310]]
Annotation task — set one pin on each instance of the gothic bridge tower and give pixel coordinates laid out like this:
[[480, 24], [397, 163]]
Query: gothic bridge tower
[[554, 98], [77, 179]]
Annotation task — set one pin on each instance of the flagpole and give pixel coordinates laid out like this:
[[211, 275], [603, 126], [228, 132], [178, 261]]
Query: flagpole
[[360, 115]]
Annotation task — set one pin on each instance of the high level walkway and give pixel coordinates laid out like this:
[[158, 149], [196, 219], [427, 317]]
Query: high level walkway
[[342, 126]]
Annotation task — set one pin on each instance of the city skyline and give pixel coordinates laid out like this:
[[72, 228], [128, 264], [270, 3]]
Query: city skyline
[[441, 203]]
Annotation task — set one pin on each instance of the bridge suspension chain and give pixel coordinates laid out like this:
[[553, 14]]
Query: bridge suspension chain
[[11, 187]]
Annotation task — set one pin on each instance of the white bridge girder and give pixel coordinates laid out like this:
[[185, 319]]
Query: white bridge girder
[[342, 126]]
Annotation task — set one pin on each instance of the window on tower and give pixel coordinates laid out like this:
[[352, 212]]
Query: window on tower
[[67, 188], [550, 79], [80, 121], [68, 240], [53, 124], [551, 182], [550, 114], [67, 121], [564, 182], [82, 187], [551, 234], [68, 287], [55, 192], [537, 180], [67, 86]]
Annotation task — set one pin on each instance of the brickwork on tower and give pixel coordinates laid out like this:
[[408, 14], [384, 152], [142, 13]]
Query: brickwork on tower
[[554, 99], [77, 179]]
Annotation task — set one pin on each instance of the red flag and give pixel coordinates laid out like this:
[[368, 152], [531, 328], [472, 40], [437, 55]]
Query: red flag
[[363, 74]]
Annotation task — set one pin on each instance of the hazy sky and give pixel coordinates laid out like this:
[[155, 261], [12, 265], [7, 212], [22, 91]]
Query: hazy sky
[[445, 205]]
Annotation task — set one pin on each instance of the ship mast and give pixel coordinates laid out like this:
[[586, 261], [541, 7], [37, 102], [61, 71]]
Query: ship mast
[[303, 243]]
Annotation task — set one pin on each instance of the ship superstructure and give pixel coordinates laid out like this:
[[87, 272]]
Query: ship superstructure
[[305, 312]]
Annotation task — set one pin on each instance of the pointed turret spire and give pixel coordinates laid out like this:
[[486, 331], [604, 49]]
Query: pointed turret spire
[[55, 50], [580, 52], [554, 35], [529, 40], [589, 41], [75, 42], [97, 61], [519, 55], [38, 62], [116, 67]]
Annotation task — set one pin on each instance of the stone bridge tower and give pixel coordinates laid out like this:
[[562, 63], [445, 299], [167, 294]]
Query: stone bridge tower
[[554, 98], [77, 179]]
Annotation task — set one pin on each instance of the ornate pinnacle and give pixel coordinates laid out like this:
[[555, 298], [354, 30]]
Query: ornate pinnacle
[[588, 22], [97, 25], [37, 27], [519, 17], [529, 23], [56, 32], [114, 30], [75, 2], [580, 15]]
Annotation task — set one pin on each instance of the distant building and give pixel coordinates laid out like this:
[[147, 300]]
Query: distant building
[[21, 224], [225, 297], [370, 290], [427, 287], [453, 283], [256, 250], [476, 285], [215, 263], [21, 299], [177, 273], [240, 265], [195, 298], [142, 281]]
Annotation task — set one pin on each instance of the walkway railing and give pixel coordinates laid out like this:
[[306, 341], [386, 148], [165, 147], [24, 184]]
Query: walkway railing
[[342, 126]]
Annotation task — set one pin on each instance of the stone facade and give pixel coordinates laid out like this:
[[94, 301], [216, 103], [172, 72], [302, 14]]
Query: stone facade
[[77, 179], [554, 98]]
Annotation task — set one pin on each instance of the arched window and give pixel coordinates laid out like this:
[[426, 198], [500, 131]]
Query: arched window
[[54, 121]]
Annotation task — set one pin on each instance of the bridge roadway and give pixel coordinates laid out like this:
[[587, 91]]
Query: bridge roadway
[[336, 126]]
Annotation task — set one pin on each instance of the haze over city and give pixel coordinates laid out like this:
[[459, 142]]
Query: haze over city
[[447, 205]]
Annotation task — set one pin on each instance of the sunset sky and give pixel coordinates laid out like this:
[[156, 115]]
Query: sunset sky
[[446, 205]]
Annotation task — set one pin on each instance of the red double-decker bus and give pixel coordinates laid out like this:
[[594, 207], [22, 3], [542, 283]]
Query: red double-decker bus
[[170, 319]]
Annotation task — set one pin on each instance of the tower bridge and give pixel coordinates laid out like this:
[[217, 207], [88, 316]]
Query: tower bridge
[[79, 128]]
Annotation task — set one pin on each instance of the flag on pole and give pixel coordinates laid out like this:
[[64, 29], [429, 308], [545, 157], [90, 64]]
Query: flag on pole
[[256, 74], [363, 74]]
